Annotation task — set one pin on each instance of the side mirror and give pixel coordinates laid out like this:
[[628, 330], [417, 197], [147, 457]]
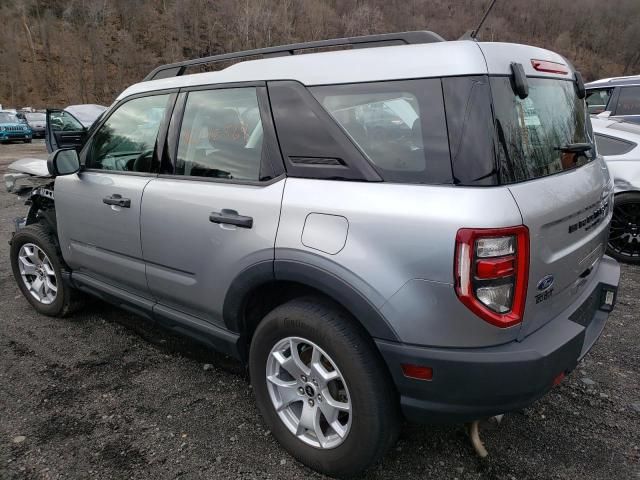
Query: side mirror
[[63, 161]]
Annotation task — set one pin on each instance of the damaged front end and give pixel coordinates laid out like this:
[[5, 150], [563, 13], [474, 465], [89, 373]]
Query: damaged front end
[[30, 179]]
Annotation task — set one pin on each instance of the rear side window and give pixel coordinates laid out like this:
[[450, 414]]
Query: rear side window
[[597, 100], [399, 126], [613, 146], [221, 135], [629, 101], [534, 133]]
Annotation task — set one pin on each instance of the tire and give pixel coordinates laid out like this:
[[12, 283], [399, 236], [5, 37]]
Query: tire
[[27, 141], [66, 299], [372, 424], [624, 231]]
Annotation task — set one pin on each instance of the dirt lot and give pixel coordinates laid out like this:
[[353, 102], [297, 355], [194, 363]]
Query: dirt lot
[[102, 395]]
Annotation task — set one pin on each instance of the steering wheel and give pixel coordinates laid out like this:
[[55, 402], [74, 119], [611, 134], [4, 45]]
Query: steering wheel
[[142, 162]]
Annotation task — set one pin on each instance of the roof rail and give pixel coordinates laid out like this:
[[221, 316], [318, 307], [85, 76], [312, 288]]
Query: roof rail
[[366, 41]]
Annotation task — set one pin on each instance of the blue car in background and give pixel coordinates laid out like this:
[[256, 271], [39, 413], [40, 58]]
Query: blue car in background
[[12, 128]]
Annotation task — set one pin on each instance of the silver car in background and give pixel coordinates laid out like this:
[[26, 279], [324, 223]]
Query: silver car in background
[[619, 143], [617, 97]]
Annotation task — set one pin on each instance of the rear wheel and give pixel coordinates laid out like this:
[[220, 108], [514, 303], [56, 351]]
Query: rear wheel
[[624, 233], [322, 387], [38, 267], [27, 141]]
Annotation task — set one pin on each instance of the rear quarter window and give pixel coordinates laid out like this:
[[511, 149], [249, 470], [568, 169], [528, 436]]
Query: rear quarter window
[[399, 126], [613, 146]]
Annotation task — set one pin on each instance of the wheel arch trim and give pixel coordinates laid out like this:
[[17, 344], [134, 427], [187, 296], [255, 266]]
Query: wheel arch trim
[[330, 281]]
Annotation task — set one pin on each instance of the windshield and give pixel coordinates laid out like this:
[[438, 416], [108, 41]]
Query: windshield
[[35, 117], [546, 133], [8, 118], [597, 100]]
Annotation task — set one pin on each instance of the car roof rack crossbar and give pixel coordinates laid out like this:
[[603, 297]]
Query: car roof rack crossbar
[[366, 41]]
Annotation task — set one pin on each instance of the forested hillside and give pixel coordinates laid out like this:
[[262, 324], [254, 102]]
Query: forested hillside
[[58, 52]]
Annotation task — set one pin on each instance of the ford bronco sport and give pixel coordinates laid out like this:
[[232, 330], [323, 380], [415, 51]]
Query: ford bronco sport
[[409, 228]]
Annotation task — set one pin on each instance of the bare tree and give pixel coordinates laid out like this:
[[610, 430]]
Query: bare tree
[[68, 51]]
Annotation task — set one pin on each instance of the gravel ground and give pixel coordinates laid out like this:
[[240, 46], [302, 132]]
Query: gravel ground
[[103, 395]]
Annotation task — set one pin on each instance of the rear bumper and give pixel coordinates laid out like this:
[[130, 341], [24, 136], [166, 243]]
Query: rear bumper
[[472, 383]]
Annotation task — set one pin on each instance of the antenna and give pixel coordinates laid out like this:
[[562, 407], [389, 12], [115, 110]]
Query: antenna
[[474, 33]]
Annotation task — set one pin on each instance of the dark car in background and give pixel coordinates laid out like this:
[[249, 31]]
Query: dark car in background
[[37, 121], [617, 97]]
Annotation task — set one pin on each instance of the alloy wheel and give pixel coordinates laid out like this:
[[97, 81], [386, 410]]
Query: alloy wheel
[[37, 273], [309, 393], [624, 233]]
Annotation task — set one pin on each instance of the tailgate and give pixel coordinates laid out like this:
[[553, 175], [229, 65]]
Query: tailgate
[[568, 217]]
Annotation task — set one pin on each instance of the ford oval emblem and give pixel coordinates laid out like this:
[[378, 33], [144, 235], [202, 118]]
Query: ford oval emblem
[[546, 282]]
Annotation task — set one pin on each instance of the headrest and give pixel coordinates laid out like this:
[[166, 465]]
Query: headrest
[[225, 127]]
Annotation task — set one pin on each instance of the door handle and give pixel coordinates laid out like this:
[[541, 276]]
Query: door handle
[[231, 217], [117, 201]]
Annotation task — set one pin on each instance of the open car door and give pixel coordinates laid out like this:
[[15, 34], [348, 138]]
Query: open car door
[[63, 130]]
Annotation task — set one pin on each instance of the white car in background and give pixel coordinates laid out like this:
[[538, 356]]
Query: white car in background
[[619, 142], [86, 113]]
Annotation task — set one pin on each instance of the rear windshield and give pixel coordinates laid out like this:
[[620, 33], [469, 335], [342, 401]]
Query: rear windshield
[[35, 117], [536, 135]]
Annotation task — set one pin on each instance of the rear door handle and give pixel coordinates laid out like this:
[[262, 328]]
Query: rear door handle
[[231, 217], [117, 200]]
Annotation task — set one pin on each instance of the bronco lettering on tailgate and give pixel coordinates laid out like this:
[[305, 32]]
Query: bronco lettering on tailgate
[[592, 220]]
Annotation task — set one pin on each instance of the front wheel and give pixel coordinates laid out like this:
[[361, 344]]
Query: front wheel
[[37, 267], [624, 231], [322, 387]]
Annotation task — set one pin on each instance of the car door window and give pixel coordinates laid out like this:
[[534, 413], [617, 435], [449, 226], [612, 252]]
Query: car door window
[[63, 121], [221, 135], [629, 101], [597, 100], [126, 141], [613, 146]]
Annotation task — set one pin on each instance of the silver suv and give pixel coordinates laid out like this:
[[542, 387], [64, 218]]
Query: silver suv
[[409, 228]]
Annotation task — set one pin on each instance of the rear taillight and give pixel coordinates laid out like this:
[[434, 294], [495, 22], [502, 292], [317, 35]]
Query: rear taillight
[[491, 272]]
